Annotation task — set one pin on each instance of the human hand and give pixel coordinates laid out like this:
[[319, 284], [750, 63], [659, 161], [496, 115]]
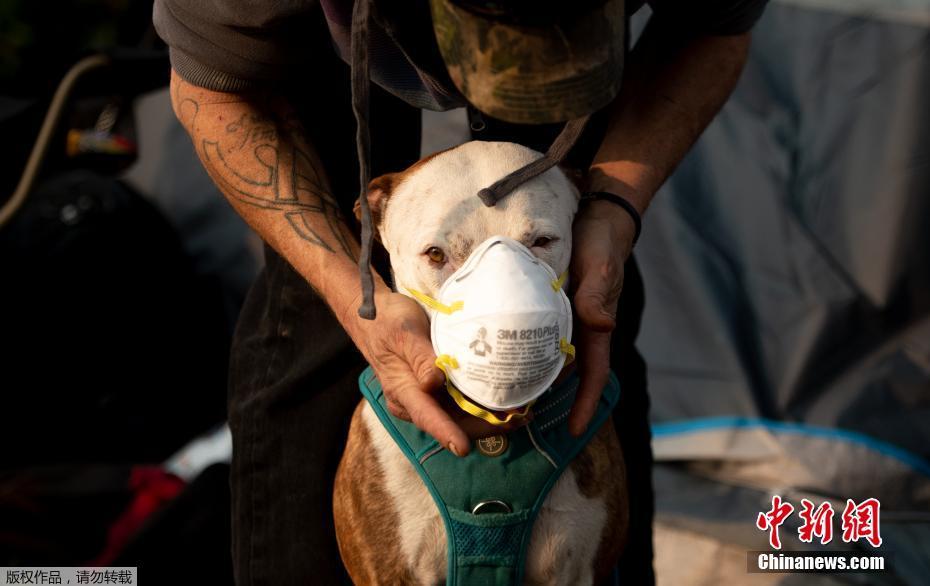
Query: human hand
[[397, 346], [603, 240]]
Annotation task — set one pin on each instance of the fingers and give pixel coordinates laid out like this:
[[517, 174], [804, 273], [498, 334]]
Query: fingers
[[596, 296], [417, 351], [415, 381], [593, 367], [591, 306], [396, 409], [597, 274], [407, 399], [426, 414], [398, 347], [423, 361], [596, 307]]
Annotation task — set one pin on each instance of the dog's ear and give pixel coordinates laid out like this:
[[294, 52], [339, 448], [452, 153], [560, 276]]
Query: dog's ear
[[379, 191]]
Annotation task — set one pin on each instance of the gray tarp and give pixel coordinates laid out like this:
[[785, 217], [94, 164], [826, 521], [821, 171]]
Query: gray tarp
[[787, 270]]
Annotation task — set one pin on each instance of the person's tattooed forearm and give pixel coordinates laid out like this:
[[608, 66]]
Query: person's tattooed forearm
[[262, 161]]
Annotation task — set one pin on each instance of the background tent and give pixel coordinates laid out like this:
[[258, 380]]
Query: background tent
[[787, 270]]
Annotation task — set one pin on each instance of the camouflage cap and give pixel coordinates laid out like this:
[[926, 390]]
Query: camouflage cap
[[533, 73]]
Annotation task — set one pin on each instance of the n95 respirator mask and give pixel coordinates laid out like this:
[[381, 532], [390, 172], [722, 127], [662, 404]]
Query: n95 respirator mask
[[501, 327]]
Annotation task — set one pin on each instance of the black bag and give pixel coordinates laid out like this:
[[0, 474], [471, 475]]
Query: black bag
[[113, 349]]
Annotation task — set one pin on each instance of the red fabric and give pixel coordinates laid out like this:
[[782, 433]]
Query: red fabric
[[153, 487]]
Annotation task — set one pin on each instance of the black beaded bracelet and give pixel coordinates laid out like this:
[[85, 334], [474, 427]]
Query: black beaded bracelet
[[616, 199]]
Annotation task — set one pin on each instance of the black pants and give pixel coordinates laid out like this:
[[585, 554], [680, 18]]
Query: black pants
[[293, 381]]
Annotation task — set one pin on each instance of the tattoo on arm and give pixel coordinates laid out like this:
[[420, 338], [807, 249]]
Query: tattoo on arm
[[262, 161]]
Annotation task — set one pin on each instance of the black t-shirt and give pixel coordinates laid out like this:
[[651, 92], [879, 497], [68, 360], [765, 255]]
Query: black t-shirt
[[233, 45]]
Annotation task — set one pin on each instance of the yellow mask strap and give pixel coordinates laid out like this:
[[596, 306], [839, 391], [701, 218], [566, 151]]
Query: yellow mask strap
[[564, 345], [477, 411], [568, 349], [436, 305], [444, 362]]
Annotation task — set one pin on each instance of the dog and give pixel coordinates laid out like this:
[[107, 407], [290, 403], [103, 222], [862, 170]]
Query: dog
[[429, 219]]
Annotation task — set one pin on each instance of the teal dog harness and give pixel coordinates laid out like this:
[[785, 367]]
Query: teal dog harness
[[490, 498]]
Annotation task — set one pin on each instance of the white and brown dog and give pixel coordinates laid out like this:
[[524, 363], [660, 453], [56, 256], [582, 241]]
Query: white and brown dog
[[429, 219]]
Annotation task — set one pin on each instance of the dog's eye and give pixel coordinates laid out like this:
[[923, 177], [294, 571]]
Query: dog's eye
[[436, 255], [542, 242]]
